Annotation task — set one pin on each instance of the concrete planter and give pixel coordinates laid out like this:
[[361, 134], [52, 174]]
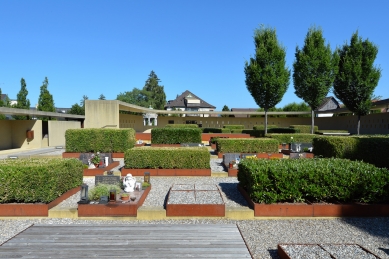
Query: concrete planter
[[33, 209], [316, 209], [114, 209], [167, 172]]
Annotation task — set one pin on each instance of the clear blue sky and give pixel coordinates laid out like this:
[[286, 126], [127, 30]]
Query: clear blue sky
[[108, 47]]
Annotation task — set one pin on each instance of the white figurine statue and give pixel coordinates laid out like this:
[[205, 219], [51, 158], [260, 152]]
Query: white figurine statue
[[129, 183]]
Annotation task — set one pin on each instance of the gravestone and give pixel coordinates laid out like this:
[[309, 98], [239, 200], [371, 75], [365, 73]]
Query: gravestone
[[107, 179], [84, 157], [228, 157], [192, 145]]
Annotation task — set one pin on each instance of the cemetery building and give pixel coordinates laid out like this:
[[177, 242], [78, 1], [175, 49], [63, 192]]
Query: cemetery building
[[188, 101]]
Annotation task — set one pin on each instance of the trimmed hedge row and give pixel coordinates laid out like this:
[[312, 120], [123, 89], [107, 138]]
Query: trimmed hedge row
[[239, 145], [181, 126], [167, 158], [175, 135], [38, 180], [233, 127], [371, 149], [313, 180], [99, 140], [262, 127], [255, 133], [304, 128], [299, 138], [212, 130], [331, 131], [283, 130]]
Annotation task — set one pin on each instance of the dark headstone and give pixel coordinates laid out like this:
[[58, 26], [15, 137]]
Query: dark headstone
[[228, 157], [103, 200], [192, 145], [293, 146], [107, 179]]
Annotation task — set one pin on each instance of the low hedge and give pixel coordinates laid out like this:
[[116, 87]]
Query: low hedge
[[212, 130], [255, 133], [313, 180], [286, 138], [283, 130], [262, 127], [371, 149], [233, 126], [304, 128], [167, 158], [226, 130], [175, 135], [245, 145], [181, 126], [38, 180], [331, 131], [99, 140]]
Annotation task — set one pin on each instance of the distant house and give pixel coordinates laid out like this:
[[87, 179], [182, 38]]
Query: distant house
[[188, 101]]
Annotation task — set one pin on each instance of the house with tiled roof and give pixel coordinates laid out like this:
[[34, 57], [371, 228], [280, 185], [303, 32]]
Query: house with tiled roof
[[188, 101]]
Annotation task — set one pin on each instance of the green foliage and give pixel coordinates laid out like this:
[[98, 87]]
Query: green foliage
[[297, 107], [2, 104], [267, 76], [22, 101], [299, 138], [357, 77], [255, 133], [38, 180], [372, 149], [233, 126], [212, 130], [45, 102], [145, 185], [137, 96], [273, 109], [181, 126], [102, 97], [262, 127], [283, 130], [304, 128], [247, 145], [331, 131], [102, 190], [225, 109], [167, 158], [82, 102], [314, 70], [175, 135], [77, 109], [313, 180], [99, 140], [226, 130]]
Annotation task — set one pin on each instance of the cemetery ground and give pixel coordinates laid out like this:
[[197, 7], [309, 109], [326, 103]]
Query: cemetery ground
[[261, 235]]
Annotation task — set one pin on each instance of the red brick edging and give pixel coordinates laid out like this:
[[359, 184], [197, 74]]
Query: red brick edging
[[167, 172]]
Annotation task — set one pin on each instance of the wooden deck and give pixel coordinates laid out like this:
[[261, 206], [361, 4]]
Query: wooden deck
[[127, 241]]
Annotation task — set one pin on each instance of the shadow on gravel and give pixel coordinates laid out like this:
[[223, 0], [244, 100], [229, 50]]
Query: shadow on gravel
[[232, 193], [273, 253], [212, 152], [373, 226], [384, 250]]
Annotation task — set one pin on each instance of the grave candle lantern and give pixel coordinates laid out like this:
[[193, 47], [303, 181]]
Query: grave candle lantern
[[146, 177], [112, 195]]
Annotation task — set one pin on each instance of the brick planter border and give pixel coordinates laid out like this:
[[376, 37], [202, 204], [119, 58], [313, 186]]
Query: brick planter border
[[259, 155], [33, 209], [167, 172], [113, 209], [316, 209]]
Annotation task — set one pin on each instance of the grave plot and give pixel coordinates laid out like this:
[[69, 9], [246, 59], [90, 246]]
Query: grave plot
[[195, 200], [324, 251]]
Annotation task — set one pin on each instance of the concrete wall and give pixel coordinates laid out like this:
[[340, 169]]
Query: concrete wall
[[99, 114], [5, 134], [377, 123], [57, 131], [13, 134]]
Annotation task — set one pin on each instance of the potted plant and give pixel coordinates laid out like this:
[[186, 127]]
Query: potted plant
[[145, 185], [232, 164], [124, 196], [95, 159]]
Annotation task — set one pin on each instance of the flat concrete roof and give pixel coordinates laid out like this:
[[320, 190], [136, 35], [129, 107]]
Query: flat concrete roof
[[35, 113]]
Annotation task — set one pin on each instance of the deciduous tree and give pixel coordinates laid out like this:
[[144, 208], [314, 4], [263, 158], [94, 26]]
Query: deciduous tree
[[45, 102], [357, 77], [225, 109], [267, 76]]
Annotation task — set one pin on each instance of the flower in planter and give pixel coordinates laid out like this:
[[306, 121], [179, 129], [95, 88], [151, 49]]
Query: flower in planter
[[95, 158]]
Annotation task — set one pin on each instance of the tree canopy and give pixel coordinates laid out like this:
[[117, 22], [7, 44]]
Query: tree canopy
[[102, 97], [22, 101], [45, 102], [225, 109], [267, 76], [314, 70], [357, 77], [77, 109]]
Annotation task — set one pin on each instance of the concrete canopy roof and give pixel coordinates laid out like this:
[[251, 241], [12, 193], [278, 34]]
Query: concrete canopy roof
[[35, 113]]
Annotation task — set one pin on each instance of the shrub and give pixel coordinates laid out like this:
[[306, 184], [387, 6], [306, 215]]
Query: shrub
[[99, 140], [244, 145], [313, 180], [262, 127], [255, 133], [102, 190], [285, 138], [233, 126], [212, 130], [181, 126], [304, 128], [226, 130], [283, 130], [38, 180], [175, 135], [331, 131], [167, 158]]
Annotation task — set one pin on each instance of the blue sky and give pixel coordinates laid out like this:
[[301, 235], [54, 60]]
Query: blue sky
[[108, 47]]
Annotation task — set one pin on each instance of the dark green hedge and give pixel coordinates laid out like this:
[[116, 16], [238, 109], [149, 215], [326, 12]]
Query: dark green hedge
[[255, 133], [226, 130], [304, 128], [212, 130], [262, 127], [331, 131], [167, 158], [283, 130], [38, 180], [99, 140], [233, 127], [313, 180], [181, 126], [175, 135], [371, 149], [286, 138], [244, 145]]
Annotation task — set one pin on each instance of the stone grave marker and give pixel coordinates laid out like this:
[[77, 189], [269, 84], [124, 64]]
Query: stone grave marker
[[107, 179]]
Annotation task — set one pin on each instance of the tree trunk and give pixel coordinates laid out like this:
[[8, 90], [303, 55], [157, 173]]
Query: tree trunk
[[359, 123], [313, 120], [265, 121]]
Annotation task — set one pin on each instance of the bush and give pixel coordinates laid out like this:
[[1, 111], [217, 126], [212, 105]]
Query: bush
[[255, 133], [38, 180], [304, 128], [99, 140], [226, 130], [102, 190], [212, 130], [283, 130], [262, 127], [370, 149], [175, 135], [313, 180], [331, 131], [167, 158], [286, 138], [233, 127], [181, 126], [245, 145]]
